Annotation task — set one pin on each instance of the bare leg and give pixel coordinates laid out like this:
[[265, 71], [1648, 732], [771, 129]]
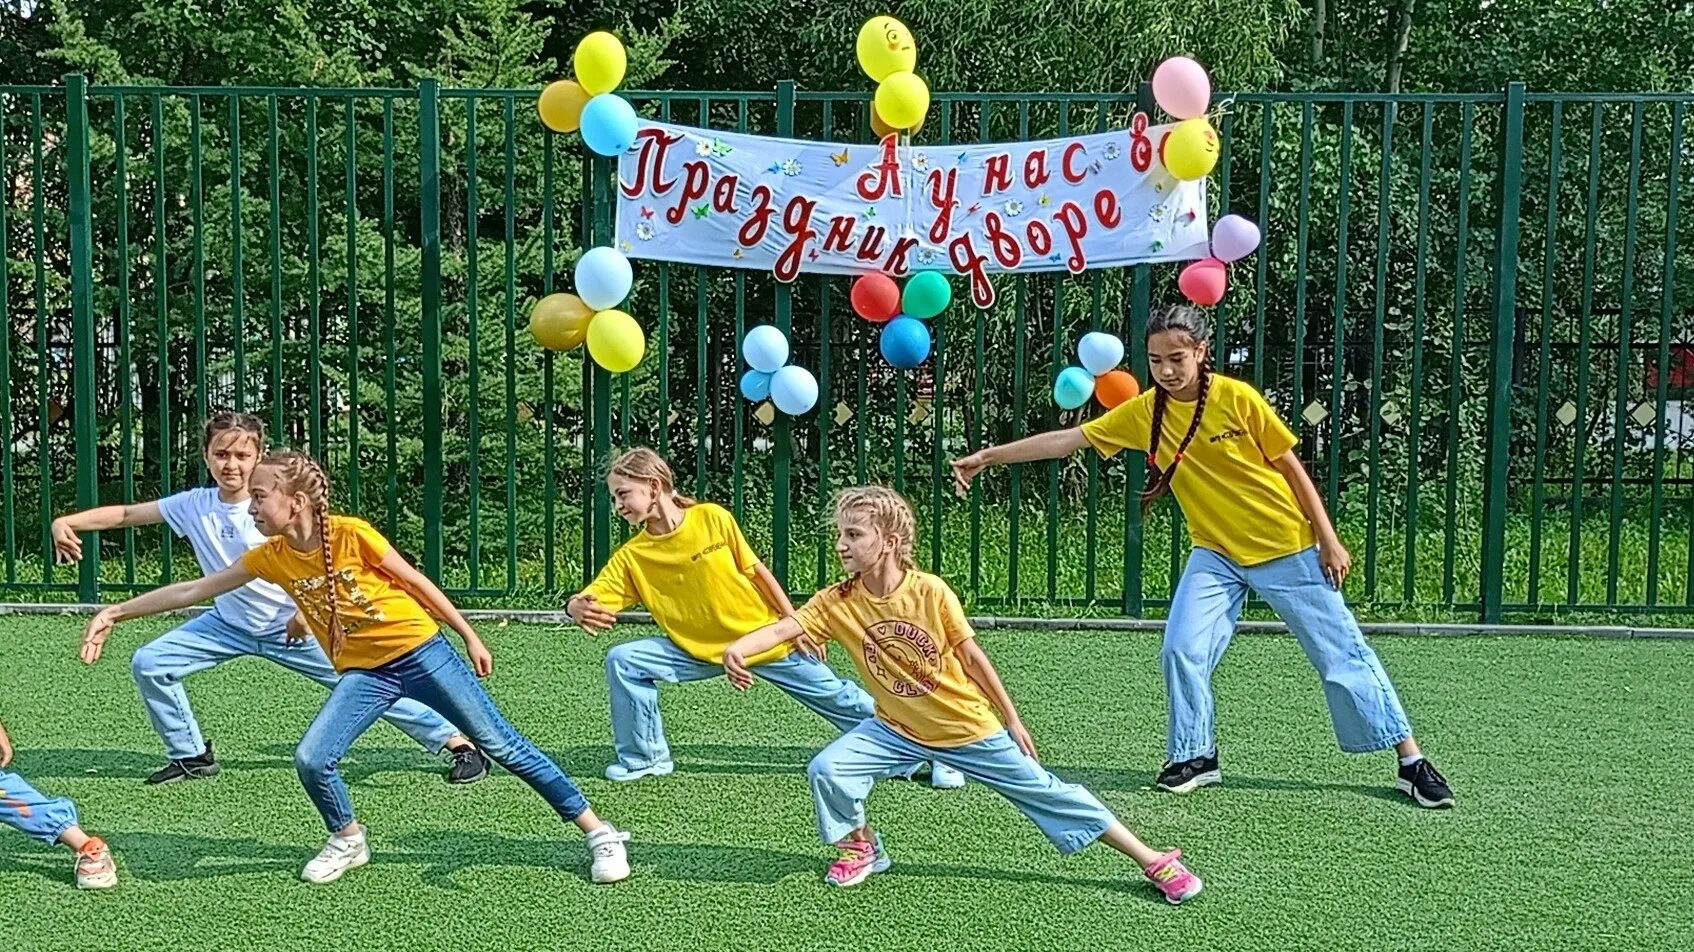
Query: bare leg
[[1118, 837]]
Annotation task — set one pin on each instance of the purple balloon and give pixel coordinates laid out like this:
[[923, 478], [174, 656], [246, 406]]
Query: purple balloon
[[1234, 238]]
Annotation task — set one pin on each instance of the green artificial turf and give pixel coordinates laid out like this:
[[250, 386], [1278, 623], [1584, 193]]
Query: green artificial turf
[[1575, 826]]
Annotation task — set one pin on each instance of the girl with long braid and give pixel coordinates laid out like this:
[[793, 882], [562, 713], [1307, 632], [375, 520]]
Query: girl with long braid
[[375, 616], [1258, 524]]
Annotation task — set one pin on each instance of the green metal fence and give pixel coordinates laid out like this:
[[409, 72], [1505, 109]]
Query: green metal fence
[[1466, 305]]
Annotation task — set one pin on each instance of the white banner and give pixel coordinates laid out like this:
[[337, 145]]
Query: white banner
[[792, 207]]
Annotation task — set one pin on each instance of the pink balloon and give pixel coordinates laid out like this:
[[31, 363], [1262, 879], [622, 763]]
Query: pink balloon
[[1182, 88], [1203, 282], [1234, 238]]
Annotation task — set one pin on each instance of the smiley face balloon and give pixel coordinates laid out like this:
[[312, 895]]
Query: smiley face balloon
[[886, 46], [1190, 151]]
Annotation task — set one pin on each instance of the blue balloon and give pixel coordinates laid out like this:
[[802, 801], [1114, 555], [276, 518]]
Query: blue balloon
[[905, 342], [1073, 388], [755, 385], [609, 124], [1099, 352], [603, 278], [765, 348], [794, 390]]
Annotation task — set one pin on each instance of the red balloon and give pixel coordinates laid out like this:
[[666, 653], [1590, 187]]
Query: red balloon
[[876, 297], [1203, 282]]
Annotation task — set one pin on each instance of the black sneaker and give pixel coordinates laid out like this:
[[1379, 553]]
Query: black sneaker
[[1423, 783], [1189, 775], [470, 764], [198, 767]]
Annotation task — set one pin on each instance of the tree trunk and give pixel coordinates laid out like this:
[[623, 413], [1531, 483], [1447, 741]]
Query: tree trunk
[[1398, 39], [1320, 17]]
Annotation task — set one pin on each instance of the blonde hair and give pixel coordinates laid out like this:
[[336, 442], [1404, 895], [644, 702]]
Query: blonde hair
[[643, 464], [888, 512], [300, 473]]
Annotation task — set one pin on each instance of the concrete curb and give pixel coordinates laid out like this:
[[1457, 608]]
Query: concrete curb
[[1418, 629]]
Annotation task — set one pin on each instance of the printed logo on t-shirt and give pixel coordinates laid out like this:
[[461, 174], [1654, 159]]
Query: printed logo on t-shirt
[[1230, 434], [229, 533], [903, 657], [708, 550], [309, 595]]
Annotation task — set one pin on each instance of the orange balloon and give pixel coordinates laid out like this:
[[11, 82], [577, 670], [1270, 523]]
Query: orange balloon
[[883, 130], [1114, 387]]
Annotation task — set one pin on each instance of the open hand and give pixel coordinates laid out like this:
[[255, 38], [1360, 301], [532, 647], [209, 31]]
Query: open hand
[[586, 611], [965, 469], [67, 545], [94, 638], [736, 670]]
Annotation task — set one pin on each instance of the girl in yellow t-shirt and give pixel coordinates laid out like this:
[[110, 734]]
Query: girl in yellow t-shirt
[[375, 616], [705, 587], [1258, 523], [936, 697]]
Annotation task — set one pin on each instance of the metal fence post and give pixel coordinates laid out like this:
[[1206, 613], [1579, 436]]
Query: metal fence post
[[781, 522], [1495, 502], [1140, 304], [429, 205], [82, 320]]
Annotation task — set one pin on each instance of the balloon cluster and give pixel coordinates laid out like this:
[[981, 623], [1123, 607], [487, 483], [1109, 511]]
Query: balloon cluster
[[586, 103], [793, 389], [888, 54], [1098, 377], [1188, 152], [905, 340], [566, 321], [603, 275]]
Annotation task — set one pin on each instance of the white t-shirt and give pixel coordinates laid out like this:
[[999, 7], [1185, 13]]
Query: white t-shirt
[[221, 533]]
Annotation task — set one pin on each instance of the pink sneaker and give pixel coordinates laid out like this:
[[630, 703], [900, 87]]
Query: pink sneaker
[[1174, 879], [858, 860]]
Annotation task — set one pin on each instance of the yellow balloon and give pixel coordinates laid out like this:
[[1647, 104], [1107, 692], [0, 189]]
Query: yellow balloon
[[883, 129], [560, 321], [1190, 151], [615, 341], [902, 100], [561, 105], [600, 62], [886, 46]]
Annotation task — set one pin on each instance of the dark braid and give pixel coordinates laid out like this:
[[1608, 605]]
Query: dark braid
[[1188, 321], [301, 473]]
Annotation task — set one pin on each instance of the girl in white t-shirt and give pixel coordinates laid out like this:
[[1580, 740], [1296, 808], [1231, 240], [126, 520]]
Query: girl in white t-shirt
[[255, 619]]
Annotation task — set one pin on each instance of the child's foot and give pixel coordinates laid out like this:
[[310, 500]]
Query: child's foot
[[197, 767], [94, 866], [622, 774], [1189, 775], [1174, 879], [611, 860], [858, 861], [943, 777], [470, 764], [339, 855], [1423, 783]]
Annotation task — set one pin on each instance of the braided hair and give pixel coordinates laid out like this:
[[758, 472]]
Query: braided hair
[[299, 473], [1180, 319]]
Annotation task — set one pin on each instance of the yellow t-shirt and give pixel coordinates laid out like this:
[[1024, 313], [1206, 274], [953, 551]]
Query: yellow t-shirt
[[905, 646], [696, 580], [1235, 501], [382, 620]]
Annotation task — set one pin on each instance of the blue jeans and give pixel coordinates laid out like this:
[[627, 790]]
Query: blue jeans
[[634, 668], [841, 776], [207, 641], [31, 812], [434, 674], [1363, 707]]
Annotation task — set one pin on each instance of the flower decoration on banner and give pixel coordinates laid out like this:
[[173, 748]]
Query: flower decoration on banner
[[791, 388], [1098, 377]]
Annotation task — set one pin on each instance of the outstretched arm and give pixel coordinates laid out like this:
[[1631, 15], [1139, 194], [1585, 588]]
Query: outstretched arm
[[169, 598], [1054, 444], [67, 545]]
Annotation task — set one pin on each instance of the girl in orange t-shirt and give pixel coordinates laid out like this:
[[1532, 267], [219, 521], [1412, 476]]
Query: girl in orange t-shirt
[[375, 616]]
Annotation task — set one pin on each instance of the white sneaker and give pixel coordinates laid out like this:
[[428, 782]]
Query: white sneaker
[[611, 861], [339, 855], [943, 777], [622, 774], [94, 866]]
